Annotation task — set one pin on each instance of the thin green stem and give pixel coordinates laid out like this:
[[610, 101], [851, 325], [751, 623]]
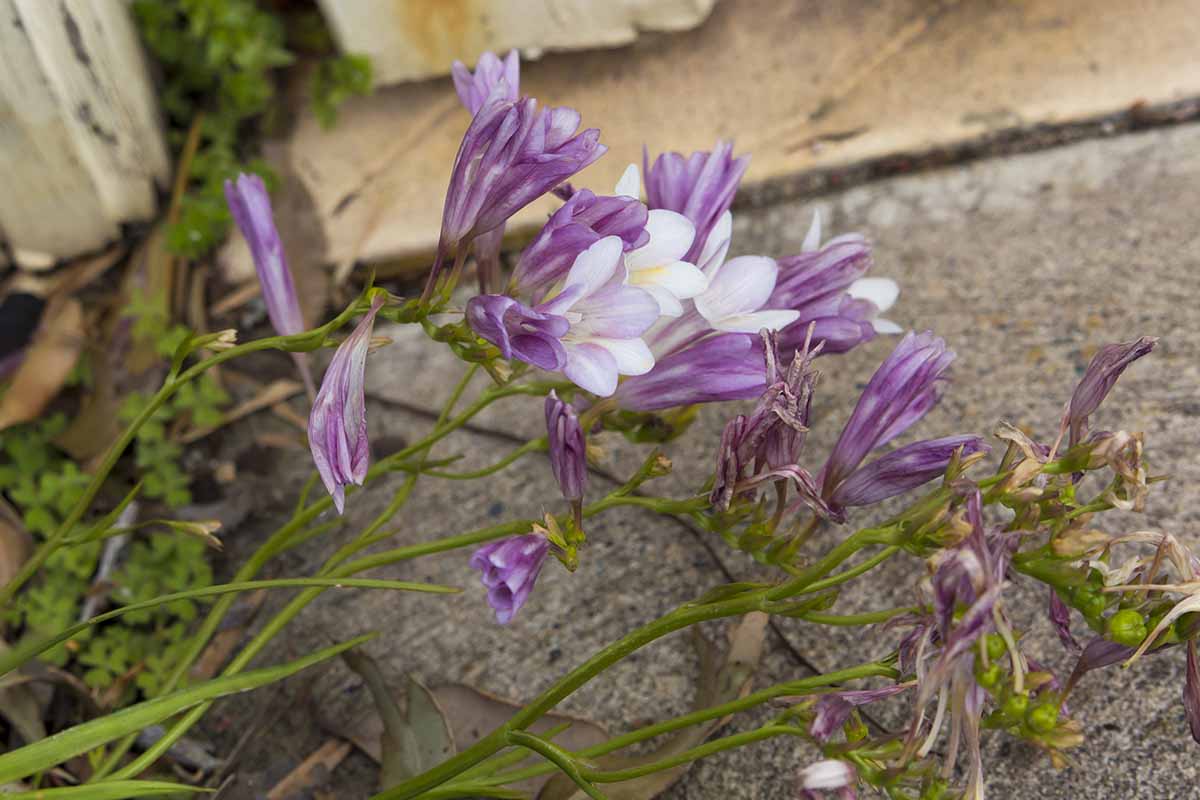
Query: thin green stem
[[858, 569], [532, 446], [687, 756], [864, 618], [558, 757]]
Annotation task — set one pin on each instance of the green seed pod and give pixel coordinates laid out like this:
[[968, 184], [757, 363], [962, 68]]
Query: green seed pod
[[988, 678], [1127, 627], [995, 646], [1090, 602], [1016, 706], [1043, 718]]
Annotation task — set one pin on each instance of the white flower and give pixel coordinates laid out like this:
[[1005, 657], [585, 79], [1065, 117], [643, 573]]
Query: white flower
[[881, 292], [826, 775], [739, 288], [658, 266]]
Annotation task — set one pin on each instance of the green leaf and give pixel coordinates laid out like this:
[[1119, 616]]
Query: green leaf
[[109, 790], [56, 749], [29, 647]]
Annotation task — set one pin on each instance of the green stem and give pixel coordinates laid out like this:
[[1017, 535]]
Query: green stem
[[858, 569], [532, 446], [687, 756], [558, 757], [789, 689], [865, 618]]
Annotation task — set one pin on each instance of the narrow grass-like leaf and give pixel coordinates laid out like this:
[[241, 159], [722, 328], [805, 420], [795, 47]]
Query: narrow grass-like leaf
[[31, 646], [116, 790], [56, 749]]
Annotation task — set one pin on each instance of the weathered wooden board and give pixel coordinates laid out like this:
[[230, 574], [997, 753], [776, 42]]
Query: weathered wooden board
[[81, 143], [800, 84], [412, 39]]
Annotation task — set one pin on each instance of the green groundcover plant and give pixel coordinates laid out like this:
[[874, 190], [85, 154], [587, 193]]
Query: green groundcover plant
[[624, 313]]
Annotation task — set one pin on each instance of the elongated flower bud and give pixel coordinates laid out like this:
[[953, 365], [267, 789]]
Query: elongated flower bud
[[568, 454], [509, 569], [250, 204], [337, 427], [474, 88], [1099, 378], [701, 187]]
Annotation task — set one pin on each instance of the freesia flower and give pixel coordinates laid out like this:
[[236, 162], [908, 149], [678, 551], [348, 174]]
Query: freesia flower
[[1098, 379], [568, 448], [474, 89], [828, 775], [250, 204], [604, 320], [501, 78], [701, 187], [578, 224], [337, 426], [512, 153], [723, 367], [509, 568], [906, 385]]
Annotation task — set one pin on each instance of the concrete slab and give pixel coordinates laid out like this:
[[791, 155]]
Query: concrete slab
[[1024, 265]]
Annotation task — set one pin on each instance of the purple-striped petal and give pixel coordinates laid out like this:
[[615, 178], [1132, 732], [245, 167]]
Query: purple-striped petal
[[591, 367], [902, 469], [1101, 375], [728, 366], [474, 89], [509, 568], [568, 448], [518, 331]]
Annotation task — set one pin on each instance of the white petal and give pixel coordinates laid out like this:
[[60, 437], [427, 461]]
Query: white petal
[[812, 240], [633, 357], [595, 266], [741, 286], [755, 321], [671, 235], [591, 367], [716, 246], [668, 304], [885, 326], [679, 278], [880, 291], [630, 184]]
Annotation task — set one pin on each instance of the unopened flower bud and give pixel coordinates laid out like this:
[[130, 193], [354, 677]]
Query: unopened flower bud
[[509, 569], [568, 448]]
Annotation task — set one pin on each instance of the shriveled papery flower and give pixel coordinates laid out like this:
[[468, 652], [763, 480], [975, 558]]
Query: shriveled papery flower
[[1060, 617], [701, 187], [337, 426], [578, 224], [568, 447], [604, 320], [831, 711], [906, 385], [1098, 379], [250, 204], [475, 88], [512, 154], [509, 568]]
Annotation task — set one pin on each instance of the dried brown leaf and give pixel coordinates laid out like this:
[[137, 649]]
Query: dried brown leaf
[[15, 543], [50, 358], [312, 772]]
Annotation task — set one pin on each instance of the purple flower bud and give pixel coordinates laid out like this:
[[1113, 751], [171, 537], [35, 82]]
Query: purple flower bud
[[902, 469], [1060, 618], [520, 332], [487, 248], [582, 221], [701, 187], [568, 449], [250, 205], [1101, 374], [475, 89], [337, 426], [509, 569], [1191, 691], [512, 154], [900, 392], [727, 366]]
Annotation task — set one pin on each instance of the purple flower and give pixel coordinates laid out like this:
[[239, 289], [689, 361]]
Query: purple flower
[[902, 469], [1191, 691], [1101, 374], [520, 332], [591, 329], [509, 569], [581, 222], [337, 426], [901, 391], [512, 153], [250, 204], [568, 449], [1060, 618], [701, 187], [728, 366], [475, 89], [832, 710]]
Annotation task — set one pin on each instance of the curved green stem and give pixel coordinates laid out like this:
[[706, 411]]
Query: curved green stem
[[558, 757], [532, 446], [687, 756], [853, 572]]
